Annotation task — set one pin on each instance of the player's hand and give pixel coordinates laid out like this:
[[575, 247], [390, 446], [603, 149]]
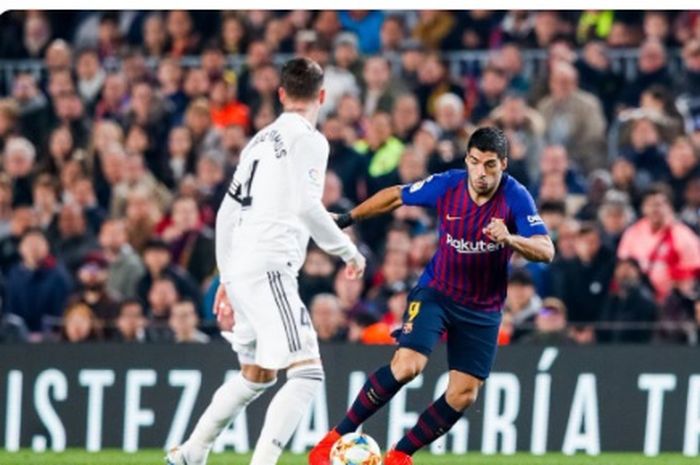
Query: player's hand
[[222, 306], [497, 231], [356, 266]]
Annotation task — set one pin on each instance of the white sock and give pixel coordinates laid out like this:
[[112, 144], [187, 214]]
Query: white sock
[[286, 411], [228, 401]]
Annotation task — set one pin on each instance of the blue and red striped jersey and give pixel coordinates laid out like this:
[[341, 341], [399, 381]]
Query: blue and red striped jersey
[[468, 267]]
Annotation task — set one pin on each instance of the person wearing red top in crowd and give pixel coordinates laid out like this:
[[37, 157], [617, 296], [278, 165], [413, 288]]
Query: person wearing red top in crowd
[[667, 250], [226, 109]]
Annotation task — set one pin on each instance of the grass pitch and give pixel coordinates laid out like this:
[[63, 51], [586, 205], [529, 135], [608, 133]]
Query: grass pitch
[[155, 457]]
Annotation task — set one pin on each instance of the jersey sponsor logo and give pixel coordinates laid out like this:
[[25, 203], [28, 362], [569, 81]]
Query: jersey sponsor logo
[[534, 220], [471, 247], [419, 185], [453, 218]]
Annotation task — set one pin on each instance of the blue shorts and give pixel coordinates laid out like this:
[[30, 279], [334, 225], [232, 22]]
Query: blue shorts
[[472, 335]]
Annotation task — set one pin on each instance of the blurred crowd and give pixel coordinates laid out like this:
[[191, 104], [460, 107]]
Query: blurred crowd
[[111, 177]]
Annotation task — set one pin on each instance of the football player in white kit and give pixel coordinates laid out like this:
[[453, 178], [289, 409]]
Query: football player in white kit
[[263, 227]]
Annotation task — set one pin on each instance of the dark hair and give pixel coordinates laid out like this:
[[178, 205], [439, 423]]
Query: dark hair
[[301, 78], [659, 188], [131, 301], [553, 206], [489, 139]]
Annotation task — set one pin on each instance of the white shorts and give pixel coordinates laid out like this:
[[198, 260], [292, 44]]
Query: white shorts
[[272, 325]]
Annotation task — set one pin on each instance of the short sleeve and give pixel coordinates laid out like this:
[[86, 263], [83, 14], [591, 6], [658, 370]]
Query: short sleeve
[[425, 193], [527, 221]]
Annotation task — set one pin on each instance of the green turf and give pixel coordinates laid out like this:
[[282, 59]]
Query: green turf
[[154, 457]]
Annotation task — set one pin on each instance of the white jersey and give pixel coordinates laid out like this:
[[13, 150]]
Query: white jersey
[[273, 204]]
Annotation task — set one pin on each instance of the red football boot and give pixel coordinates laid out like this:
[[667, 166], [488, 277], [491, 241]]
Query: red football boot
[[321, 453], [395, 457]]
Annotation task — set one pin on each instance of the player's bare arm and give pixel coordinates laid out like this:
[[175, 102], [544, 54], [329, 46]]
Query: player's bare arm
[[384, 201], [537, 248]]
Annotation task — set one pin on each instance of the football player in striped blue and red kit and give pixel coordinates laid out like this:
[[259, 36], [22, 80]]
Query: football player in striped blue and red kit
[[484, 215]]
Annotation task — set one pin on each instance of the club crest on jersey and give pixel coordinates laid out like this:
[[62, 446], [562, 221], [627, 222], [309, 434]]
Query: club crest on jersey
[[418, 185], [470, 247], [315, 176]]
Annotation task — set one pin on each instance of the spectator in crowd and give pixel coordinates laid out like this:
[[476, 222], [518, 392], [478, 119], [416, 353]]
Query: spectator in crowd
[[690, 210], [614, 216], [46, 205], [131, 323], [74, 239], [154, 35], [646, 150], [198, 121], [91, 77], [34, 112], [687, 85], [38, 286], [183, 40], [226, 109], [22, 219], [316, 276], [183, 322], [79, 324], [667, 251], [550, 324], [82, 192], [348, 291], [433, 81], [522, 303], [392, 34], [18, 163], [574, 118], [381, 148], [125, 267], [652, 69], [343, 160], [161, 297], [366, 25], [683, 165], [136, 177], [432, 27], [181, 159], [9, 117], [676, 316], [581, 282], [555, 160], [378, 91], [597, 76], [92, 289], [211, 182], [492, 88], [5, 207], [158, 262], [525, 126], [142, 215], [328, 318], [191, 241], [405, 117], [630, 303]]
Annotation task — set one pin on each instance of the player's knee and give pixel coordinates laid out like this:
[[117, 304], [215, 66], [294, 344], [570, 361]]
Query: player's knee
[[406, 365], [461, 399]]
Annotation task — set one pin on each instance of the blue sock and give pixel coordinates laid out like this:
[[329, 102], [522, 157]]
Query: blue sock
[[435, 421], [379, 388]]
